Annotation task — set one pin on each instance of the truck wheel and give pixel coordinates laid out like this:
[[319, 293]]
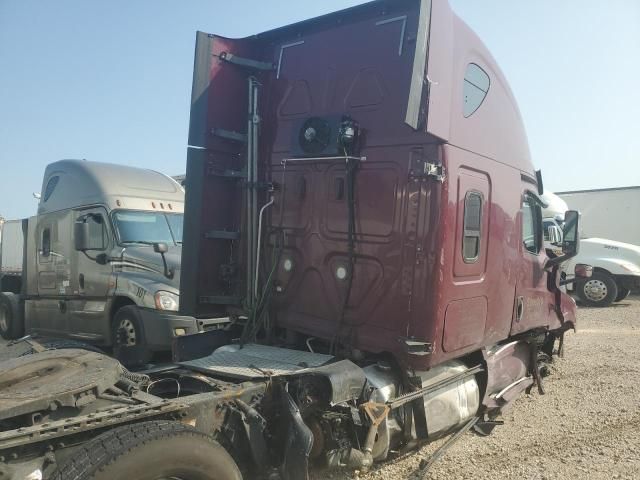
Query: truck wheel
[[157, 450], [623, 293], [598, 291], [129, 344], [11, 316], [126, 327]]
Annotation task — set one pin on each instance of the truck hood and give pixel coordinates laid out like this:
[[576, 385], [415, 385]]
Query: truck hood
[[616, 257], [610, 244], [142, 259]]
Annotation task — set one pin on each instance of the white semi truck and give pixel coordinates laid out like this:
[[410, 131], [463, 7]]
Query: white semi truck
[[607, 212], [616, 265], [100, 262]]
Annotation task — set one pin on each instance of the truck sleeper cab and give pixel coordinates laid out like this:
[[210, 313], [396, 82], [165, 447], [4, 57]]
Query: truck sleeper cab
[[362, 201], [103, 259]]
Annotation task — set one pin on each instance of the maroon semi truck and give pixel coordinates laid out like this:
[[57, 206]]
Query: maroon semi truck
[[362, 206]]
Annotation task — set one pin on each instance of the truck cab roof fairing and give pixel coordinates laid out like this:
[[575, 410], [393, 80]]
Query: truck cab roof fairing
[[496, 129], [73, 183]]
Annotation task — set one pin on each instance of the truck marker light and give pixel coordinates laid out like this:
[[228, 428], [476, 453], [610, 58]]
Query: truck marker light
[[287, 265], [341, 273]]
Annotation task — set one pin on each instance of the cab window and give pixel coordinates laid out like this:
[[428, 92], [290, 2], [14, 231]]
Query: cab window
[[475, 89], [98, 239], [472, 227], [531, 225], [45, 251]]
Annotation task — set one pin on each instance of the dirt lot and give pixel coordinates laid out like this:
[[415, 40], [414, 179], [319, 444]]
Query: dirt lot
[[587, 426]]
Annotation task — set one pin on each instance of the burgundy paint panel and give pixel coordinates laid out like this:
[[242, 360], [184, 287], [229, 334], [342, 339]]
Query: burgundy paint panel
[[464, 323], [539, 303]]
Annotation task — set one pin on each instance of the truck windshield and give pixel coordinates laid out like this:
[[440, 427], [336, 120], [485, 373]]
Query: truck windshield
[[148, 227]]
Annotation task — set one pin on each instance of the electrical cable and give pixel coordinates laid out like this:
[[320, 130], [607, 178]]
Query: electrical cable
[[352, 166]]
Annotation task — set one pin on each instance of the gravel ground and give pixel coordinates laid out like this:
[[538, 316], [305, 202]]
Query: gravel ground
[[587, 426]]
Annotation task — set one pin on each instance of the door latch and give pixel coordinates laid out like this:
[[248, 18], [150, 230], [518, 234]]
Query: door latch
[[519, 308]]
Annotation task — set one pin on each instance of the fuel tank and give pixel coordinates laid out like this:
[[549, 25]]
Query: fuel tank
[[446, 409]]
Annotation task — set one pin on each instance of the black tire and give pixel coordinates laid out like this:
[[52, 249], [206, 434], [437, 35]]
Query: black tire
[[150, 451], [127, 337], [623, 292], [600, 290], [11, 316], [126, 329]]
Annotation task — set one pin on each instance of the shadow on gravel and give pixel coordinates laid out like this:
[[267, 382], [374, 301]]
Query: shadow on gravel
[[613, 305]]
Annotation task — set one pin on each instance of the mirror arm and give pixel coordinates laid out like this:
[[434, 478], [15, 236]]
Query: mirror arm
[[568, 282], [167, 272], [552, 262], [94, 259]]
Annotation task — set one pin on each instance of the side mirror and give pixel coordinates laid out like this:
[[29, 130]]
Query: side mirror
[[81, 236], [163, 248], [555, 234], [570, 241], [583, 271], [160, 248]]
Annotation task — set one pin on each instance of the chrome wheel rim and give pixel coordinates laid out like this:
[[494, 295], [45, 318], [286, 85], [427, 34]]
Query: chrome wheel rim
[[127, 332], [595, 290], [4, 321]]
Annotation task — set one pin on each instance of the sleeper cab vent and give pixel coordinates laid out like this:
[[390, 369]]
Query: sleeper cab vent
[[335, 135]]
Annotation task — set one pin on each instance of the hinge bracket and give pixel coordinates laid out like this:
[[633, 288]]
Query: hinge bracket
[[423, 169], [246, 62]]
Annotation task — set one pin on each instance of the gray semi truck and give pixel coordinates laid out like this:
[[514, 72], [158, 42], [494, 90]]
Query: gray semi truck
[[101, 261]]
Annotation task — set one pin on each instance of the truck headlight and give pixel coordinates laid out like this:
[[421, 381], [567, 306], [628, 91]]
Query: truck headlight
[[167, 301]]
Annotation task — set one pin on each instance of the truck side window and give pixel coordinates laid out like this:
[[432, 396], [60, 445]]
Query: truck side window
[[51, 186], [476, 87], [531, 225], [97, 233], [46, 242], [472, 224]]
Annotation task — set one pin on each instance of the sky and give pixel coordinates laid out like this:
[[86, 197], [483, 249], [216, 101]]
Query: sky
[[111, 81]]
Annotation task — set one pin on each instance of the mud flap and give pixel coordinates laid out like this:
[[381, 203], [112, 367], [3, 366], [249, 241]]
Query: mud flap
[[298, 444]]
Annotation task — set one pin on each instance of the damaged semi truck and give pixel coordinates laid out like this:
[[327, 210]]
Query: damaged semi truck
[[361, 203]]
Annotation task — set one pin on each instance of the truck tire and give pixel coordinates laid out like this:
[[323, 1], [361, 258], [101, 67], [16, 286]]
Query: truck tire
[[129, 344], [623, 293], [11, 316], [150, 451], [126, 327], [600, 290]]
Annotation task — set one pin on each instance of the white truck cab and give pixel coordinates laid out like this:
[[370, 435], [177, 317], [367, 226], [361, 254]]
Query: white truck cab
[[616, 265]]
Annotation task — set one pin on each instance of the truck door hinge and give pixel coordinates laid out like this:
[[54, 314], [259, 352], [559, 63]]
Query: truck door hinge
[[422, 169], [246, 62]]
